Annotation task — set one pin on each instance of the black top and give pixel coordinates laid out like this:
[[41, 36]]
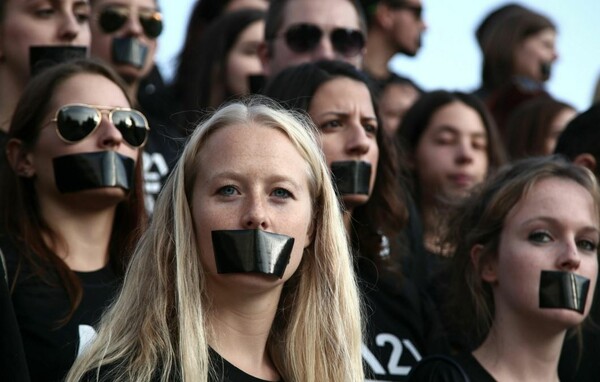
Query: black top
[[50, 345], [439, 368], [226, 372], [402, 325], [13, 366]]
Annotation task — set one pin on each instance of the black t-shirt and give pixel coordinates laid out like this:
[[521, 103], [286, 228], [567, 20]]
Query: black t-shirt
[[438, 368], [402, 325], [50, 346], [226, 372], [13, 366]]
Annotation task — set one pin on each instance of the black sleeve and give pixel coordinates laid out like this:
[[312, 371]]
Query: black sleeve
[[438, 369], [13, 366]]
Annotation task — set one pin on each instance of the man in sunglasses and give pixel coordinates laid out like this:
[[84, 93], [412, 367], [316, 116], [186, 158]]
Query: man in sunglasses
[[395, 26], [124, 34], [299, 31]]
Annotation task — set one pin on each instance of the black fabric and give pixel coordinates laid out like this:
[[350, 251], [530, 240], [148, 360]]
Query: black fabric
[[463, 368], [165, 142], [51, 348], [402, 324], [13, 366], [581, 364], [226, 372]]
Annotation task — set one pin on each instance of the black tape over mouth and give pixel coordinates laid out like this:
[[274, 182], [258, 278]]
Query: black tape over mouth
[[546, 70], [85, 171], [251, 251], [563, 290], [44, 57], [351, 177], [129, 51]]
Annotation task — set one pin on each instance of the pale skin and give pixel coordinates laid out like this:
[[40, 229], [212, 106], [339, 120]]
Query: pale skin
[[250, 177], [328, 15], [343, 110], [35, 23], [449, 160], [545, 230], [86, 217]]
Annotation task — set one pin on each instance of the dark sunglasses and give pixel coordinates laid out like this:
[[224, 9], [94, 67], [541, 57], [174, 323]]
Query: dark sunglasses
[[112, 19], [74, 122], [304, 37], [416, 10]]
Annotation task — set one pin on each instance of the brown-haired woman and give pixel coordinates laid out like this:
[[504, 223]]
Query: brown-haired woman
[[71, 207]]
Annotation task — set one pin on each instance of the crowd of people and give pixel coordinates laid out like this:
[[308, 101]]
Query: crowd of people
[[287, 208]]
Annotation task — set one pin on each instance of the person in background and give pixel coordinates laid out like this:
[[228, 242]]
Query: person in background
[[124, 34], [222, 63], [397, 95], [71, 207], [533, 128], [580, 143], [451, 145], [25, 27], [401, 321], [245, 273], [395, 26], [310, 30], [525, 268], [518, 48]]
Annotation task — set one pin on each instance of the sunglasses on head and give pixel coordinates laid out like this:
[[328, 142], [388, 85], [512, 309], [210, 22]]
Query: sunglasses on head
[[74, 122], [112, 19], [304, 37]]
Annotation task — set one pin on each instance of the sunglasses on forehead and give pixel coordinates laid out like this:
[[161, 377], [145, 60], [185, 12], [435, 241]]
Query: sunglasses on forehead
[[75, 122], [112, 19], [305, 37]]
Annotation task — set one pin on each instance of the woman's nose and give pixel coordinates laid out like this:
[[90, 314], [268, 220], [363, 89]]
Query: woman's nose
[[255, 214]]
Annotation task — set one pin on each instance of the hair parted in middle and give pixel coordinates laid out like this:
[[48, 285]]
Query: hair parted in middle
[[158, 327], [479, 220]]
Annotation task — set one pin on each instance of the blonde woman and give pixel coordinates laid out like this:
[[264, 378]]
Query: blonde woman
[[254, 168]]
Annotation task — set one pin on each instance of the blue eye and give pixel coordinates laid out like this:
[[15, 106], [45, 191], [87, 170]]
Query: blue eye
[[281, 193], [227, 191], [540, 237]]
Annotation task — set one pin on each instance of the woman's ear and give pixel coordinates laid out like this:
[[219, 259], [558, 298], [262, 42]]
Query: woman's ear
[[586, 160], [19, 158], [486, 267]]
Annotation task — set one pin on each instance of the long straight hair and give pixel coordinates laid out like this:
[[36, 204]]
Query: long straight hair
[[158, 327]]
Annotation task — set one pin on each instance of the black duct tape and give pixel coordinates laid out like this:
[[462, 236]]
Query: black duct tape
[[129, 51], [351, 177], [43, 57], [251, 251], [78, 172], [546, 70], [563, 290]]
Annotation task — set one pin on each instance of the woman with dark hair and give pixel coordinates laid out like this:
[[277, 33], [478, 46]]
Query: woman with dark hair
[[524, 271], [451, 145], [49, 31], [71, 207], [400, 325], [518, 49], [218, 66], [533, 128]]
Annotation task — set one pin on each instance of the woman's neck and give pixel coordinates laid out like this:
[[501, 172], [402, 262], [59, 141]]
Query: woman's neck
[[85, 235], [240, 324], [520, 352]]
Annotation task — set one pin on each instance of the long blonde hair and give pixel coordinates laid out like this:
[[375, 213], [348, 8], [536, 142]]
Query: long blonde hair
[[157, 327]]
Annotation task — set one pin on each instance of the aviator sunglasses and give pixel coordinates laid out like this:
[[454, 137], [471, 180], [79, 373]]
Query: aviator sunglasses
[[74, 122], [304, 37], [112, 19]]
